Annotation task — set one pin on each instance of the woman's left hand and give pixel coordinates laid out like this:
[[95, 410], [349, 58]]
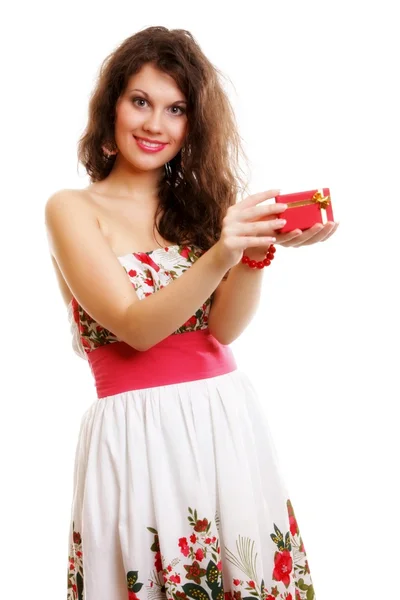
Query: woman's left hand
[[316, 233]]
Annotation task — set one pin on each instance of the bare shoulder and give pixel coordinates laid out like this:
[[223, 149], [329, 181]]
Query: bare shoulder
[[58, 205], [74, 199], [87, 268], [68, 202], [65, 195]]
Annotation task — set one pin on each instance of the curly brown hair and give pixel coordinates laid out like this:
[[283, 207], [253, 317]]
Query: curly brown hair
[[205, 177]]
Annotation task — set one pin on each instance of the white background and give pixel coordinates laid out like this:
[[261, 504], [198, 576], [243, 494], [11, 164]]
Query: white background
[[314, 85]]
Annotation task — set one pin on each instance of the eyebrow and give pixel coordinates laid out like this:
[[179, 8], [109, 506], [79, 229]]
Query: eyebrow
[[147, 96]]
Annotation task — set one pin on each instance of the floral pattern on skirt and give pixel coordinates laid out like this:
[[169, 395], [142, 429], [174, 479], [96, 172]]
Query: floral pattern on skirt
[[198, 570]]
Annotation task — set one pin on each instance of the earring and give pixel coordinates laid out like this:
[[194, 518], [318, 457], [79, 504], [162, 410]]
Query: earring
[[108, 153], [168, 170], [186, 150]]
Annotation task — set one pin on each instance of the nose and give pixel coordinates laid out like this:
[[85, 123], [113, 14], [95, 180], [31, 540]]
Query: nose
[[153, 122]]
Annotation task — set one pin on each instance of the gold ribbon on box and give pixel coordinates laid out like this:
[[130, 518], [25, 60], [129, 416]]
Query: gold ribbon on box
[[318, 198]]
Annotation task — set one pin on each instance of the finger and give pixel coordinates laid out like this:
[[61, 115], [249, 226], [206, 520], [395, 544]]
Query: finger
[[255, 199], [336, 225], [317, 233], [326, 232], [262, 213], [291, 236], [257, 241], [311, 235], [307, 236], [283, 239], [323, 234], [264, 228]]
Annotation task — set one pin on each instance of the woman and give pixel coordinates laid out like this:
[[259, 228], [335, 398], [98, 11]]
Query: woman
[[177, 490]]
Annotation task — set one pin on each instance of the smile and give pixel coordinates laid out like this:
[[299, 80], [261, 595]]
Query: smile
[[149, 146]]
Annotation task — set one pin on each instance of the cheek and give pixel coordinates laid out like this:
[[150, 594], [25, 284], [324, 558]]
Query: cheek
[[126, 117], [180, 130]]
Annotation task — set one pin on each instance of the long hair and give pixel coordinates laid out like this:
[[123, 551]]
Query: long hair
[[205, 177]]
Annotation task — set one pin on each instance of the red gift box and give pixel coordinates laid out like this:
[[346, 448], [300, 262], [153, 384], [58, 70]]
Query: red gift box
[[305, 209]]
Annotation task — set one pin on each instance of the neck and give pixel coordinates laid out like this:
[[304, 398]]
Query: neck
[[125, 182]]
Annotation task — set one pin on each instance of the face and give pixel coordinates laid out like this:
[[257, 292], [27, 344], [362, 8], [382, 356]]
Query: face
[[151, 120]]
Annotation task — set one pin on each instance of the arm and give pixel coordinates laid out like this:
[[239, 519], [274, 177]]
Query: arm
[[151, 320], [100, 285], [236, 300]]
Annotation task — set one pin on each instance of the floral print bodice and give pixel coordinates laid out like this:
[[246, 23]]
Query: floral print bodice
[[148, 272]]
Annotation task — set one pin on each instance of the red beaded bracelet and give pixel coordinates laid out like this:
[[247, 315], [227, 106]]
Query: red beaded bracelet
[[260, 264]]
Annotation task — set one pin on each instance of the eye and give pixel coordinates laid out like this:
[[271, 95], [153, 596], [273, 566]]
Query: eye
[[180, 109], [136, 101]]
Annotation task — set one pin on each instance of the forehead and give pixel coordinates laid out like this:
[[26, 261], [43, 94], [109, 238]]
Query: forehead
[[155, 83]]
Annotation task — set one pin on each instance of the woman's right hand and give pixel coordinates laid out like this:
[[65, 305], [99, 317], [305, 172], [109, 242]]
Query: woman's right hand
[[247, 225]]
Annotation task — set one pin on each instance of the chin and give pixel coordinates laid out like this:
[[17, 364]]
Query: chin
[[151, 162], [148, 163]]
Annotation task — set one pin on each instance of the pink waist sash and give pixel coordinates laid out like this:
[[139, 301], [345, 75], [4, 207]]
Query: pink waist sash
[[117, 367]]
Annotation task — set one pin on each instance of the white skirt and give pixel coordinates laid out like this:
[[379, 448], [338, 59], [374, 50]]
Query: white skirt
[[178, 494]]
